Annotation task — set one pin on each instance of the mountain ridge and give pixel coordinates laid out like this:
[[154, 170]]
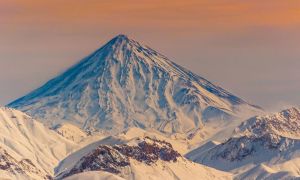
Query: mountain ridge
[[261, 147]]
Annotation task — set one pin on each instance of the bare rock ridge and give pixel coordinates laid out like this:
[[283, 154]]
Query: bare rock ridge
[[126, 84]]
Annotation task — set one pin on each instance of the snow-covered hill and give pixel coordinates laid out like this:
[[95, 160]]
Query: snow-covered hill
[[263, 147], [140, 158], [29, 150], [127, 84]]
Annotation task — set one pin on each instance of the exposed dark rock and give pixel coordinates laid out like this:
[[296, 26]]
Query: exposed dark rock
[[115, 158]]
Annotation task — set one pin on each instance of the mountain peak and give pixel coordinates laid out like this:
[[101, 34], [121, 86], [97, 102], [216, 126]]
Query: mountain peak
[[121, 45], [126, 84], [121, 38]]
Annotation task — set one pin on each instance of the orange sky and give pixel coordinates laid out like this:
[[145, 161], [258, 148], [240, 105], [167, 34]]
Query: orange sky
[[214, 38], [172, 14]]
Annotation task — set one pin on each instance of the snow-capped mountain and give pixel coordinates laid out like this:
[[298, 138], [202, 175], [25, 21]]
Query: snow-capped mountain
[[263, 147], [28, 149], [140, 158], [125, 84]]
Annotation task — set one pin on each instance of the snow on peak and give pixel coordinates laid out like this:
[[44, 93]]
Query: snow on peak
[[126, 84]]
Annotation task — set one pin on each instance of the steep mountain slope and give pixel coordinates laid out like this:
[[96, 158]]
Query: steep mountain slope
[[125, 84], [29, 150], [144, 158], [263, 147]]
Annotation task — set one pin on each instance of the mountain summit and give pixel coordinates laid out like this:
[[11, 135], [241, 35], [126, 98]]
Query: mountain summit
[[125, 84]]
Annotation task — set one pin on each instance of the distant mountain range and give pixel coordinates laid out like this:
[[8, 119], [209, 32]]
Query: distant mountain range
[[126, 84]]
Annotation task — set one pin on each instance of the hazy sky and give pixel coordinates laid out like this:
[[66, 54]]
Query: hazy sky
[[251, 48]]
